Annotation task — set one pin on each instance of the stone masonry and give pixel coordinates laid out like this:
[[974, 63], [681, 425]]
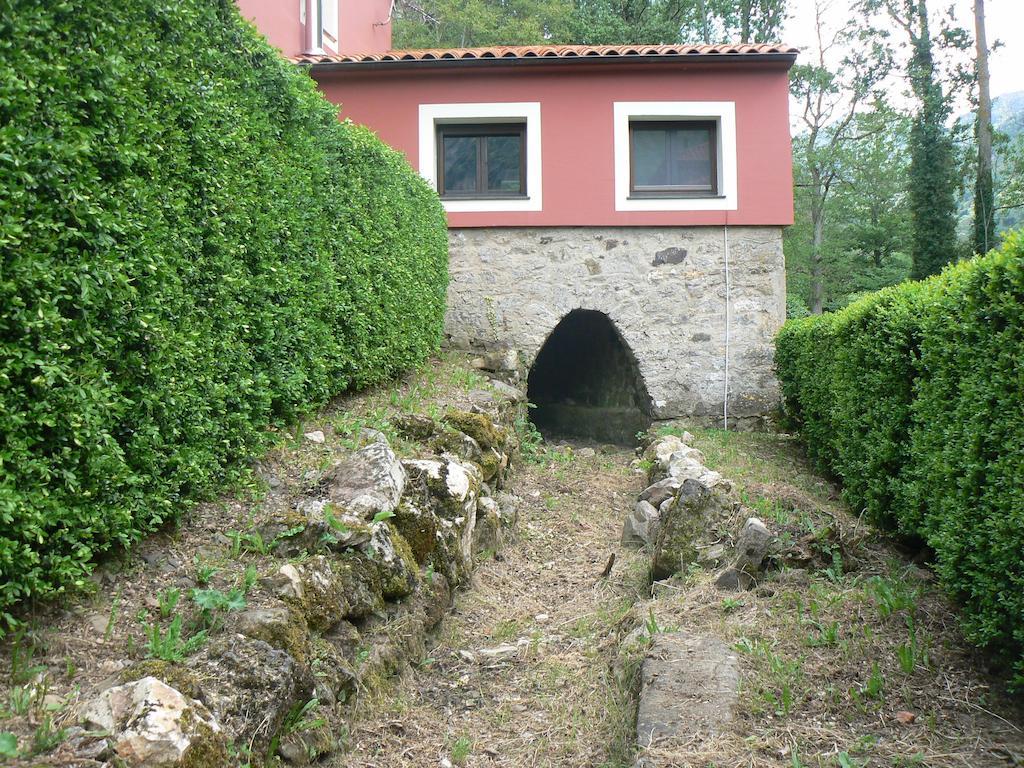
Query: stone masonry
[[664, 289]]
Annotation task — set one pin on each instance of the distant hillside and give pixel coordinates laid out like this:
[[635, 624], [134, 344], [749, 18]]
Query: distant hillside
[[1008, 113]]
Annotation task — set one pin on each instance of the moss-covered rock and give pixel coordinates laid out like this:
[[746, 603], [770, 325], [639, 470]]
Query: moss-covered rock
[[418, 527], [480, 427], [399, 571], [332, 669], [681, 524], [281, 627], [323, 600], [178, 676], [416, 427], [360, 581]]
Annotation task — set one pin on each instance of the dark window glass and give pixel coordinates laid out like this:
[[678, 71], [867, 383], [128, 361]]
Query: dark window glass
[[482, 161], [673, 159]]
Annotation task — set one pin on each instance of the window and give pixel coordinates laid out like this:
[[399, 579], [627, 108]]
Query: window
[[676, 158], [483, 157], [481, 161]]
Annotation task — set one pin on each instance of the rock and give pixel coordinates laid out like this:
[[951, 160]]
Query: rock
[[316, 436], [153, 725], [98, 623], [660, 491], [417, 524], [250, 687], [685, 467], [415, 427], [753, 545], [282, 628], [509, 505], [680, 524], [286, 583], [689, 686], [499, 361], [508, 392], [641, 525], [488, 532], [479, 427], [499, 653], [734, 580], [586, 453], [399, 573], [713, 554], [323, 601], [360, 582], [367, 483]]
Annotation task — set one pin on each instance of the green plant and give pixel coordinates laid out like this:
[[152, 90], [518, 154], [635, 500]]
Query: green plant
[[730, 604], [875, 686], [195, 252], [204, 572], [461, 750], [168, 601], [171, 645], [383, 515], [213, 603], [937, 447], [8, 744]]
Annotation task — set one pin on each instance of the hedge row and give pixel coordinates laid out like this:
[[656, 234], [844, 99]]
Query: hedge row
[[914, 398], [192, 249]]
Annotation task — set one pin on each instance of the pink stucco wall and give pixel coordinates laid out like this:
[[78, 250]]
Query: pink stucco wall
[[577, 130], [363, 25], [279, 20]]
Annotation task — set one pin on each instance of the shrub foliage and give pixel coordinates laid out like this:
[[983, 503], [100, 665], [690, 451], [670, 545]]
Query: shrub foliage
[[914, 398], [192, 249]]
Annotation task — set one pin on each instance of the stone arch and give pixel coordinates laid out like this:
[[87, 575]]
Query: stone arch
[[585, 382]]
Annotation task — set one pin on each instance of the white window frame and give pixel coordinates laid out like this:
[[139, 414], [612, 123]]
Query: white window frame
[[528, 112], [723, 113]]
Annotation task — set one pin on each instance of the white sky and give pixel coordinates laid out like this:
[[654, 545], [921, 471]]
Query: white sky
[[1004, 21]]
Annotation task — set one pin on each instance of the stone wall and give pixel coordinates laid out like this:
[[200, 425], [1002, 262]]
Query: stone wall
[[664, 288]]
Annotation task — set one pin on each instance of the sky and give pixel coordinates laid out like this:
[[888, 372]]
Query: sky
[[1004, 21]]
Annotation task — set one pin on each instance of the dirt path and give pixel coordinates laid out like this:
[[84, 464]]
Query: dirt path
[[521, 674]]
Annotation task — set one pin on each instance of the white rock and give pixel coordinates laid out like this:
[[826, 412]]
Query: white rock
[[150, 723], [316, 436]]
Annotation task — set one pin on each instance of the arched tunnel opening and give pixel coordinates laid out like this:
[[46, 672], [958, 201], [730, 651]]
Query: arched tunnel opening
[[585, 383]]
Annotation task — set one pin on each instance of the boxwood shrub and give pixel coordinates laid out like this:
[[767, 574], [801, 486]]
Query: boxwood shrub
[[193, 249], [914, 398]]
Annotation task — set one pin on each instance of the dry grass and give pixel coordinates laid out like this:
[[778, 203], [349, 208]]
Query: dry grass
[[555, 701]]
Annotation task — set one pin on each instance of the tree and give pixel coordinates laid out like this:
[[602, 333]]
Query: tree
[[473, 23], [984, 199], [933, 174], [830, 100]]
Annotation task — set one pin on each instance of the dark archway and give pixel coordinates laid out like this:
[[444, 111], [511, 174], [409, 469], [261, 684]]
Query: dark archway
[[586, 383]]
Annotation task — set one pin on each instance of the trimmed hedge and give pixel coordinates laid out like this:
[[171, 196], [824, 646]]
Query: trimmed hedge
[[914, 398], [192, 249]]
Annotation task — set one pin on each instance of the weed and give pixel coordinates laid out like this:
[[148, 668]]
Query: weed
[[892, 596], [204, 573], [385, 514], [115, 606], [8, 744], [824, 635], [461, 750], [168, 601], [235, 537], [730, 604], [172, 646], [214, 602], [875, 686], [46, 737]]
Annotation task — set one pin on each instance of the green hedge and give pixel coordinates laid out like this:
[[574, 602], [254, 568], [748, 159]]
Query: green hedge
[[914, 398], [193, 249]]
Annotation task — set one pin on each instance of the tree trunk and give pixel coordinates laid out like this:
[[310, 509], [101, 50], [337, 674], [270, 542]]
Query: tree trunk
[[745, 20], [984, 204], [817, 268]]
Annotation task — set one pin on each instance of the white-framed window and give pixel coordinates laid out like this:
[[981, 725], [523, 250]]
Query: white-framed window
[[482, 157], [675, 155]]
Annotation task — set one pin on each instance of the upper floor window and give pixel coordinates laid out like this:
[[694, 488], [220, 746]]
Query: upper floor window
[[483, 157], [673, 158], [482, 160]]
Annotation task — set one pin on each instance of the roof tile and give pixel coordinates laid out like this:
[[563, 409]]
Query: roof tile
[[547, 52]]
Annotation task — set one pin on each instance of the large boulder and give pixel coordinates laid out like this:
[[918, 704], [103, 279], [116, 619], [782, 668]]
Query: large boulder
[[696, 509], [153, 725], [367, 483], [399, 573], [250, 687]]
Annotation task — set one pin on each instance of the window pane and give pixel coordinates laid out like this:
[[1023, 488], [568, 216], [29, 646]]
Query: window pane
[[690, 157], [649, 155], [460, 164], [504, 155]]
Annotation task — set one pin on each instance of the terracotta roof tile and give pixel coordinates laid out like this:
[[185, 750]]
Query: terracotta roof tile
[[515, 52]]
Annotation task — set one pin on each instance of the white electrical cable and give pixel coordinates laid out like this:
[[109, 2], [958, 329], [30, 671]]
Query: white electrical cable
[[728, 291]]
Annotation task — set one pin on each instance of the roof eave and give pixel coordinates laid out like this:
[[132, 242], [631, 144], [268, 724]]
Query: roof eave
[[520, 61]]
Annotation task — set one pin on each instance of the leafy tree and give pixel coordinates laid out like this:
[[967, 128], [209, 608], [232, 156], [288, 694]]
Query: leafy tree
[[474, 23], [933, 173], [830, 99]]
